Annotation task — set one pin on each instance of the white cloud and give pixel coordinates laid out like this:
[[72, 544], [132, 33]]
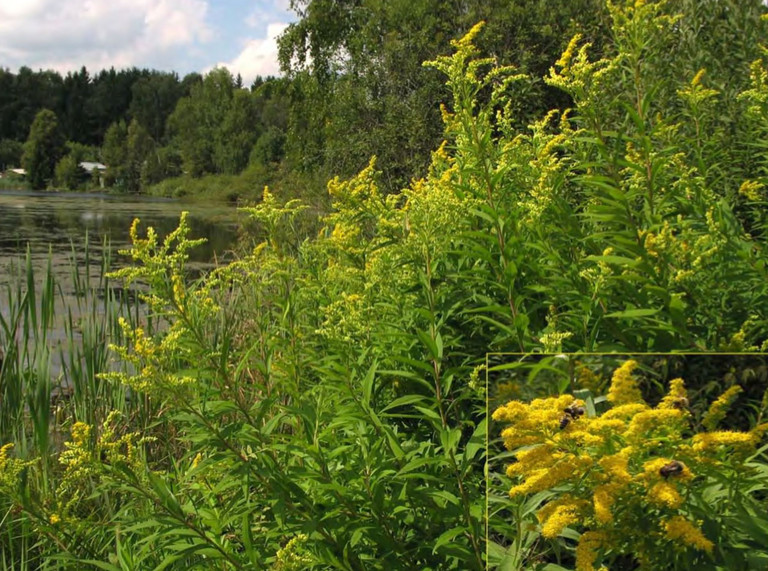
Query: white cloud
[[259, 56], [67, 34], [264, 12]]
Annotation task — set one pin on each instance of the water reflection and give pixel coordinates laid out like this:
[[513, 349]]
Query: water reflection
[[53, 228], [46, 222]]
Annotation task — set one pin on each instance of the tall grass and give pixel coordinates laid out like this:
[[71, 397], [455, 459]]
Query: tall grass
[[55, 332]]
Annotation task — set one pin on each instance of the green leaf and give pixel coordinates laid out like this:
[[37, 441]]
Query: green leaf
[[632, 313], [403, 401], [368, 384], [447, 536]]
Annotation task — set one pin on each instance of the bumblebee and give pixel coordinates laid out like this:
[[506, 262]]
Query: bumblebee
[[671, 469], [572, 412], [681, 403]]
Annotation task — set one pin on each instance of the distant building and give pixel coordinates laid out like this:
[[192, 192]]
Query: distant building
[[89, 167], [17, 172]]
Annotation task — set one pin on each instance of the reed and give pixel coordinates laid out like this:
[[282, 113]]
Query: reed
[[55, 331]]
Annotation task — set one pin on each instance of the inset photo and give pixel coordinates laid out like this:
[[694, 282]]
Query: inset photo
[[644, 461]]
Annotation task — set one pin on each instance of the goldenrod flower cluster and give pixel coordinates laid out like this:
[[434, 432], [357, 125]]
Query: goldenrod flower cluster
[[632, 463], [681, 530], [10, 468], [695, 93], [83, 460], [719, 408], [293, 556], [624, 389]]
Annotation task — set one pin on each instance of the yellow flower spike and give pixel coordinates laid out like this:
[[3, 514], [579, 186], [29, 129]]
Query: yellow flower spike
[[625, 412], [616, 467], [710, 441], [681, 530], [652, 421], [719, 408], [179, 291], [587, 549], [565, 59], [603, 500], [698, 77], [134, 230], [546, 478], [538, 457], [81, 433], [677, 397], [752, 190], [561, 517], [624, 389], [469, 37], [6, 448], [605, 426], [665, 494], [509, 412]]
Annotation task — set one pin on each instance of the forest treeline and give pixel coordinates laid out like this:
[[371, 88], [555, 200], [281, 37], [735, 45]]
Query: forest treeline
[[353, 86]]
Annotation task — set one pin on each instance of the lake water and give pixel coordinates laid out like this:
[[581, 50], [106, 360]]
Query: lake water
[[53, 222], [53, 226]]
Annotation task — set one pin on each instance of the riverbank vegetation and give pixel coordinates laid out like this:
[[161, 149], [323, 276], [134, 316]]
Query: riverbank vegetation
[[320, 402]]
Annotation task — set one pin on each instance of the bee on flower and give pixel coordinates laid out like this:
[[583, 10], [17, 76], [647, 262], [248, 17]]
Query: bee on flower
[[629, 478]]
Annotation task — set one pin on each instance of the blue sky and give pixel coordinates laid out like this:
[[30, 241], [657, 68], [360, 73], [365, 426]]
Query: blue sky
[[178, 35]]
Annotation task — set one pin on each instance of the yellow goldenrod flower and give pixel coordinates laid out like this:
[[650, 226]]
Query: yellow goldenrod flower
[[624, 389], [677, 397], [566, 500], [680, 529], [514, 438], [603, 499], [543, 479], [54, 519], [509, 412], [81, 433], [605, 426], [538, 457], [625, 411], [587, 549], [697, 78], [752, 190], [616, 467], [179, 291], [719, 408], [648, 422], [561, 517], [707, 441], [665, 494], [134, 230], [4, 452], [567, 56]]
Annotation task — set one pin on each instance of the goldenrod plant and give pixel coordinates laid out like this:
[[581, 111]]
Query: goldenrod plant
[[319, 402], [617, 483]]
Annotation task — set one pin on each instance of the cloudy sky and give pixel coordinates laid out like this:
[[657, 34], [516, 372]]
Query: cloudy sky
[[173, 35]]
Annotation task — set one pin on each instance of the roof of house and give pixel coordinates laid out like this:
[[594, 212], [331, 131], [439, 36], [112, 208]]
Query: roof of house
[[89, 166]]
